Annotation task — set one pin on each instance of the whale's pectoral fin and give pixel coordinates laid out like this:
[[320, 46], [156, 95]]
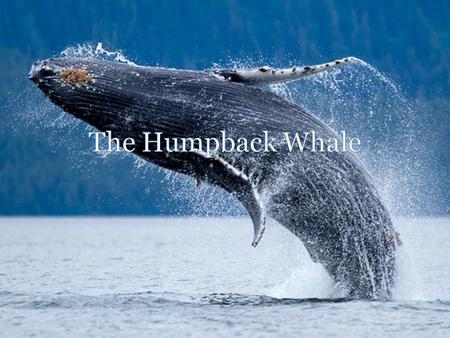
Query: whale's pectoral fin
[[267, 75], [219, 171], [251, 200]]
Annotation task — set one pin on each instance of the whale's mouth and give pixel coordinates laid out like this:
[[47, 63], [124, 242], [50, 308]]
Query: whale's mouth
[[41, 70]]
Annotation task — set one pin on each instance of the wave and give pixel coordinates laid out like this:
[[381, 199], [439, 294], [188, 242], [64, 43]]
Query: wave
[[162, 300]]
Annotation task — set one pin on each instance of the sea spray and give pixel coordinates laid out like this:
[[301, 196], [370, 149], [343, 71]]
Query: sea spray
[[364, 101], [98, 52]]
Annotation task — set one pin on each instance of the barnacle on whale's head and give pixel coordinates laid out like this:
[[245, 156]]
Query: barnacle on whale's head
[[75, 76]]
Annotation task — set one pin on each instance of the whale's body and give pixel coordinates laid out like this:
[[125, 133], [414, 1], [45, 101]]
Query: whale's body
[[325, 198]]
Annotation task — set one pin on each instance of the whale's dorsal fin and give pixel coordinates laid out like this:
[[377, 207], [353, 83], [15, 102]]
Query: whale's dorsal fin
[[267, 75], [239, 184]]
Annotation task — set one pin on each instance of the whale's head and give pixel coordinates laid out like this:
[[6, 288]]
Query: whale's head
[[104, 94], [64, 80]]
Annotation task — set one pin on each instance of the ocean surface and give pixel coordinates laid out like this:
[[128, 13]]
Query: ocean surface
[[200, 277]]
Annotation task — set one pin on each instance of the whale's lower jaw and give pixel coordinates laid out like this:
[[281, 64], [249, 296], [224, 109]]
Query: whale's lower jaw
[[326, 199]]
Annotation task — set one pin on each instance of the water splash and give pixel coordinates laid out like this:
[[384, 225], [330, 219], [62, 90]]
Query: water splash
[[309, 280], [408, 284], [367, 104], [98, 52]]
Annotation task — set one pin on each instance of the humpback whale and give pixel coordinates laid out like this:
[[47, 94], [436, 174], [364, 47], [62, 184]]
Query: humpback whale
[[327, 199]]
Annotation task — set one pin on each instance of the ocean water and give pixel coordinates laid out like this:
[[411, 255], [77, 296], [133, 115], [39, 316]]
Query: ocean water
[[200, 277]]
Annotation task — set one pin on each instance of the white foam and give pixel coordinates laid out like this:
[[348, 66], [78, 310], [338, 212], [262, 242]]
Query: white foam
[[309, 281], [408, 285]]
